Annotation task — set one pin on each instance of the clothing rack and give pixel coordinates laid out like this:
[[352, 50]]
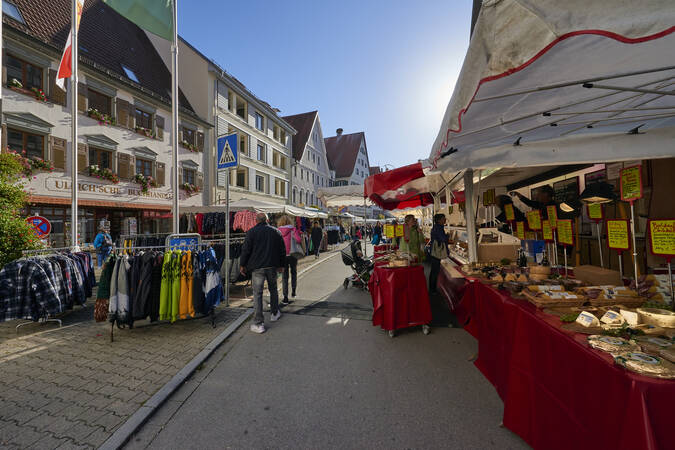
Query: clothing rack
[[45, 250]]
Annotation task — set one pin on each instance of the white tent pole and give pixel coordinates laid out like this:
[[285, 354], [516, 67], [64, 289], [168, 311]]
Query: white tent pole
[[469, 215], [174, 118], [73, 128]]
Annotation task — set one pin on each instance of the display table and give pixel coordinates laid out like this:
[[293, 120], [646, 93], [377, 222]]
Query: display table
[[559, 393], [400, 297]]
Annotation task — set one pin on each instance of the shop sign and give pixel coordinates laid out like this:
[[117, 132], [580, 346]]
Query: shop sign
[[547, 230], [489, 197], [618, 236], [389, 231], [565, 233], [552, 214], [399, 230], [520, 230], [41, 226], [534, 220], [631, 183], [595, 211], [111, 190], [509, 213], [662, 237]]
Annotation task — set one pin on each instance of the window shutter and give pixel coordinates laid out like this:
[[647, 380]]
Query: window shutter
[[200, 180], [56, 95], [4, 138], [180, 133], [125, 166], [82, 157], [159, 172], [200, 141], [180, 175], [58, 152], [122, 107], [131, 118], [82, 93], [159, 121]]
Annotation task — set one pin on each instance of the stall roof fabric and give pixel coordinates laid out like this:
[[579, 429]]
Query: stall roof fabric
[[350, 195], [545, 82]]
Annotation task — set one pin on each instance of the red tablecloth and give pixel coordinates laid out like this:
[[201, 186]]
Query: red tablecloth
[[559, 393], [400, 297]]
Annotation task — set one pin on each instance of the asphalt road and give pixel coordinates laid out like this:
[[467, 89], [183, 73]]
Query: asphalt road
[[335, 381]]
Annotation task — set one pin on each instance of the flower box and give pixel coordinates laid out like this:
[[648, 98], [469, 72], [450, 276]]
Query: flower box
[[190, 189], [104, 174], [145, 182], [190, 147], [101, 117], [147, 132]]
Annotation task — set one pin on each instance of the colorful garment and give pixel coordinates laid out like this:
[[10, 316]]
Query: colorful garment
[[185, 305], [175, 284], [165, 291]]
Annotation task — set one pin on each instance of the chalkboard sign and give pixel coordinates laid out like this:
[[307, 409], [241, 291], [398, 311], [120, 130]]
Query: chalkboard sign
[[566, 190]]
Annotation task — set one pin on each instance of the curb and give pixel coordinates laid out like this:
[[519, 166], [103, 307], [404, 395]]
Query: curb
[[133, 423]]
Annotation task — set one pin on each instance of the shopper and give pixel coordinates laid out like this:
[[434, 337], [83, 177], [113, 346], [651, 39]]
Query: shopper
[[439, 249], [290, 233], [262, 256], [317, 235], [377, 233], [413, 239], [103, 244]]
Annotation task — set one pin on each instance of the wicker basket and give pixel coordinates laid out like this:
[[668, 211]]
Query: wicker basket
[[657, 317]]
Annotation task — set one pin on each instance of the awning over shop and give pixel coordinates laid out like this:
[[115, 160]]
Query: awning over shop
[[351, 195], [45, 200], [409, 186], [245, 204], [543, 84]]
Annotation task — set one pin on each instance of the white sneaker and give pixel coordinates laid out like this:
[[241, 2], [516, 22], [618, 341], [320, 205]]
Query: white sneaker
[[276, 316], [259, 328]]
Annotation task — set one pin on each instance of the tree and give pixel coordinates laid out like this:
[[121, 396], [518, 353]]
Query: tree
[[15, 233]]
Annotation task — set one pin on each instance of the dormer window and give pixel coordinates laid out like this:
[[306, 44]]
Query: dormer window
[[130, 74], [12, 11]]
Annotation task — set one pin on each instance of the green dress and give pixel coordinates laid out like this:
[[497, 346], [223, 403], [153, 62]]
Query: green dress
[[175, 284], [165, 289]]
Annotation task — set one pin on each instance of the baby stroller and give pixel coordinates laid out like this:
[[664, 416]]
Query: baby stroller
[[353, 256]]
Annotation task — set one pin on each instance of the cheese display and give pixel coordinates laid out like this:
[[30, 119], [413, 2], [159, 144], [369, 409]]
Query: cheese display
[[653, 344], [657, 317], [642, 363], [612, 345]]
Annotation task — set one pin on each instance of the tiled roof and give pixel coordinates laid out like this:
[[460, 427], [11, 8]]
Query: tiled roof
[[342, 151], [106, 39], [303, 124], [374, 170]]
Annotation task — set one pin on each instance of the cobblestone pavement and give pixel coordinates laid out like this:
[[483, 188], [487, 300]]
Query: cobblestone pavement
[[70, 387]]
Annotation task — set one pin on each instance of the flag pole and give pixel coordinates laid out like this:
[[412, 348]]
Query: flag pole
[[174, 117], [73, 114]]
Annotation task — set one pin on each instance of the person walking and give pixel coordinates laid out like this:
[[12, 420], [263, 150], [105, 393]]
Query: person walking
[[290, 233], [377, 233], [263, 255], [439, 249], [317, 235], [103, 245]]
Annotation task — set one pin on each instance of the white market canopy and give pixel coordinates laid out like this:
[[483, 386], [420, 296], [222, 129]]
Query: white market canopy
[[546, 82], [246, 204], [350, 195]]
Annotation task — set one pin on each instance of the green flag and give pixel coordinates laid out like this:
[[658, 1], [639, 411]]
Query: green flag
[[155, 16]]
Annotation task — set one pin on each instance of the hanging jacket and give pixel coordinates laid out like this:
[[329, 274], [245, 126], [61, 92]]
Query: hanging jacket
[[185, 306], [103, 291], [166, 288], [198, 285], [175, 285], [143, 285]]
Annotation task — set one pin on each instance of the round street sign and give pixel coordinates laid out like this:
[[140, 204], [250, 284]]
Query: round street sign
[[40, 225]]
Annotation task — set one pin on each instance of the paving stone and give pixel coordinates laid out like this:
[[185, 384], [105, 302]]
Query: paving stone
[[73, 410], [25, 415], [8, 409], [70, 445], [124, 394], [99, 401], [90, 415], [109, 421], [48, 441], [79, 432], [26, 437], [97, 438], [122, 408]]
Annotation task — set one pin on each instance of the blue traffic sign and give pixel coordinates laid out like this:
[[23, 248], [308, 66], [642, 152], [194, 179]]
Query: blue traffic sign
[[228, 156]]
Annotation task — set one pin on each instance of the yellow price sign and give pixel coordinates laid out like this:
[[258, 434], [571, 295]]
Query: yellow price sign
[[399, 230], [565, 233], [534, 220], [618, 236], [489, 197], [547, 230], [662, 237], [389, 231], [594, 211], [631, 183], [520, 230], [509, 213], [552, 215]]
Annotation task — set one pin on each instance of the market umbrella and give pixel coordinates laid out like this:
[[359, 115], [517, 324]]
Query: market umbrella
[[409, 186]]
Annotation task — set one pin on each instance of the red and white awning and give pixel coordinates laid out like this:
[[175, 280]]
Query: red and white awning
[[409, 186]]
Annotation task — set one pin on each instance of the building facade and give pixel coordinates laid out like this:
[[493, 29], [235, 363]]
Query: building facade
[[124, 119], [310, 169], [348, 157]]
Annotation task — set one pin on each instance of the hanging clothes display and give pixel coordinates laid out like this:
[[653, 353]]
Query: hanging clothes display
[[244, 221]]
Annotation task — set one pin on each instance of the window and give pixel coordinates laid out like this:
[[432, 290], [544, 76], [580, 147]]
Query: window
[[99, 157], [189, 176], [32, 144], [277, 132], [318, 162], [29, 75], [313, 157], [295, 195], [312, 178], [12, 11], [242, 177], [100, 102], [279, 187], [143, 119], [259, 183], [189, 136], [295, 171], [282, 137], [259, 122], [144, 166], [130, 74], [261, 152], [230, 101], [241, 108]]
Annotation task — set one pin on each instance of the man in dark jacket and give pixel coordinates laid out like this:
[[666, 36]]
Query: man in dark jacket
[[263, 255]]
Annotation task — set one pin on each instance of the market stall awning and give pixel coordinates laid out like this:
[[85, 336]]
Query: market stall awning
[[545, 82], [243, 204], [350, 195], [409, 186]]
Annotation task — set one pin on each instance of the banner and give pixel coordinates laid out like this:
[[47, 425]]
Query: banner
[[65, 65], [534, 220], [547, 230], [565, 232], [618, 234], [662, 237], [631, 183], [155, 16]]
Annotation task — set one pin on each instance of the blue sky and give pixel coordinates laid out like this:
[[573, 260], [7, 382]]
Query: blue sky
[[386, 68]]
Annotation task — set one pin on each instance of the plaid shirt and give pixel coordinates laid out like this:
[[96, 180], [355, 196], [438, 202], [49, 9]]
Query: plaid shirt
[[27, 292]]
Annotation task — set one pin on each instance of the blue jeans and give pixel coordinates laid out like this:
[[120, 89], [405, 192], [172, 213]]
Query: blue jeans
[[258, 278], [102, 255]]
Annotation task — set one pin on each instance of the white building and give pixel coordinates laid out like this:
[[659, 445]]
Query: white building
[[310, 171], [348, 157], [265, 139], [124, 119]]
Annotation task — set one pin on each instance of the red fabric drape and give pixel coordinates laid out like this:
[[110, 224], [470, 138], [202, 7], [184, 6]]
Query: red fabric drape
[[377, 185], [400, 297]]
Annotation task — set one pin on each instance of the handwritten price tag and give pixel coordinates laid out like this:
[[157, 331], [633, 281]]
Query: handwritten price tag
[[565, 233], [618, 236], [534, 220], [520, 230], [509, 213], [552, 213], [631, 183], [489, 197], [662, 237], [399, 230], [595, 211], [547, 230], [389, 231]]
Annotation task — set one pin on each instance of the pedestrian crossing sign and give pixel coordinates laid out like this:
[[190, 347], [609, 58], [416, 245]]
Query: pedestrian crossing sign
[[227, 151]]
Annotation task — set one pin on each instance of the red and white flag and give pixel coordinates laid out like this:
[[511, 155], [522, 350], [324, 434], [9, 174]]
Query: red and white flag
[[65, 66]]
